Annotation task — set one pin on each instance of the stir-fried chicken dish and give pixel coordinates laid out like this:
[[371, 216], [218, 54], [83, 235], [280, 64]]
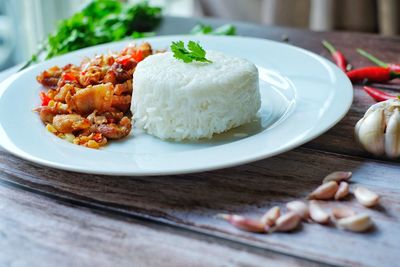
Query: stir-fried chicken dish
[[89, 104]]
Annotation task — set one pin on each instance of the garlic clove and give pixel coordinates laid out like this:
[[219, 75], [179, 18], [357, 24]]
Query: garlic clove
[[317, 214], [243, 223], [287, 222], [371, 132], [355, 223], [357, 130], [337, 176], [366, 197], [324, 191], [340, 213], [392, 135], [299, 207], [342, 191], [271, 216]]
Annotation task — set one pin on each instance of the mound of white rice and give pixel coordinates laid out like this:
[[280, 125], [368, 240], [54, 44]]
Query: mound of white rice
[[177, 100]]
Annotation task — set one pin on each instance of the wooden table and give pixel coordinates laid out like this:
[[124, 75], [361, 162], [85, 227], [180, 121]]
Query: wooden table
[[56, 218]]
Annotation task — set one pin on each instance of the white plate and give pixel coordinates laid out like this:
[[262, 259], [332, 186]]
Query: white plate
[[303, 95]]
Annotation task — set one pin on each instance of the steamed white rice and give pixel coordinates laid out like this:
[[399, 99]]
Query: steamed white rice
[[177, 100]]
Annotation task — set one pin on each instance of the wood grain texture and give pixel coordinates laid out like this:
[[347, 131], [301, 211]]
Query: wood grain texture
[[37, 231], [191, 201]]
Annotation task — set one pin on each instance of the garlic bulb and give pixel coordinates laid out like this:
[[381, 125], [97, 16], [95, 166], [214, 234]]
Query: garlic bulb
[[378, 131]]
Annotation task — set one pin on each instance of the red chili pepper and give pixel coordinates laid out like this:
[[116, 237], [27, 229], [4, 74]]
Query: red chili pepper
[[372, 74], [339, 58], [67, 76], [137, 56], [45, 99], [377, 61], [377, 94]]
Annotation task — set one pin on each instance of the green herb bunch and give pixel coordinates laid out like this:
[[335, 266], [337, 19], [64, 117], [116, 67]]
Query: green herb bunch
[[101, 21]]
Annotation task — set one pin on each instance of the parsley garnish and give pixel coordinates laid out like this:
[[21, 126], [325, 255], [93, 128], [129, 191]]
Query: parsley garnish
[[193, 52]]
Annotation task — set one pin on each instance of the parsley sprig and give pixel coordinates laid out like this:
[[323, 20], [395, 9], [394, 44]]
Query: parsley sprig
[[193, 52]]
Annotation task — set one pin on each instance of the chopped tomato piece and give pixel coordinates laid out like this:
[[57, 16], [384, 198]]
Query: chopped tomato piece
[[137, 56], [124, 59], [67, 76], [45, 99]]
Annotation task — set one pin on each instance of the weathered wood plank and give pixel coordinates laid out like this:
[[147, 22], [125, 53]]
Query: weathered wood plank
[[37, 231], [191, 201]]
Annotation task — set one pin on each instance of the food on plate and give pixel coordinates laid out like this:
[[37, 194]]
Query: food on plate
[[178, 95], [89, 104], [177, 100]]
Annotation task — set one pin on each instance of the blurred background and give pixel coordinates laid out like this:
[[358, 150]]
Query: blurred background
[[25, 23]]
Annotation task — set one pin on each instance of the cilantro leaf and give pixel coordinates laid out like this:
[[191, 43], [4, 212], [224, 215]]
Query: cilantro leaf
[[197, 51], [180, 52], [193, 52]]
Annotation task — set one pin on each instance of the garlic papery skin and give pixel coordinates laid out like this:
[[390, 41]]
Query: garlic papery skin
[[392, 135], [378, 131]]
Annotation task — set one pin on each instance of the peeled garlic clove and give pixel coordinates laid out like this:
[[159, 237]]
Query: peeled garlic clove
[[392, 135], [366, 197], [371, 132], [340, 213], [355, 223], [342, 191], [243, 223], [337, 176], [324, 191], [317, 214], [287, 222], [271, 216], [299, 207]]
